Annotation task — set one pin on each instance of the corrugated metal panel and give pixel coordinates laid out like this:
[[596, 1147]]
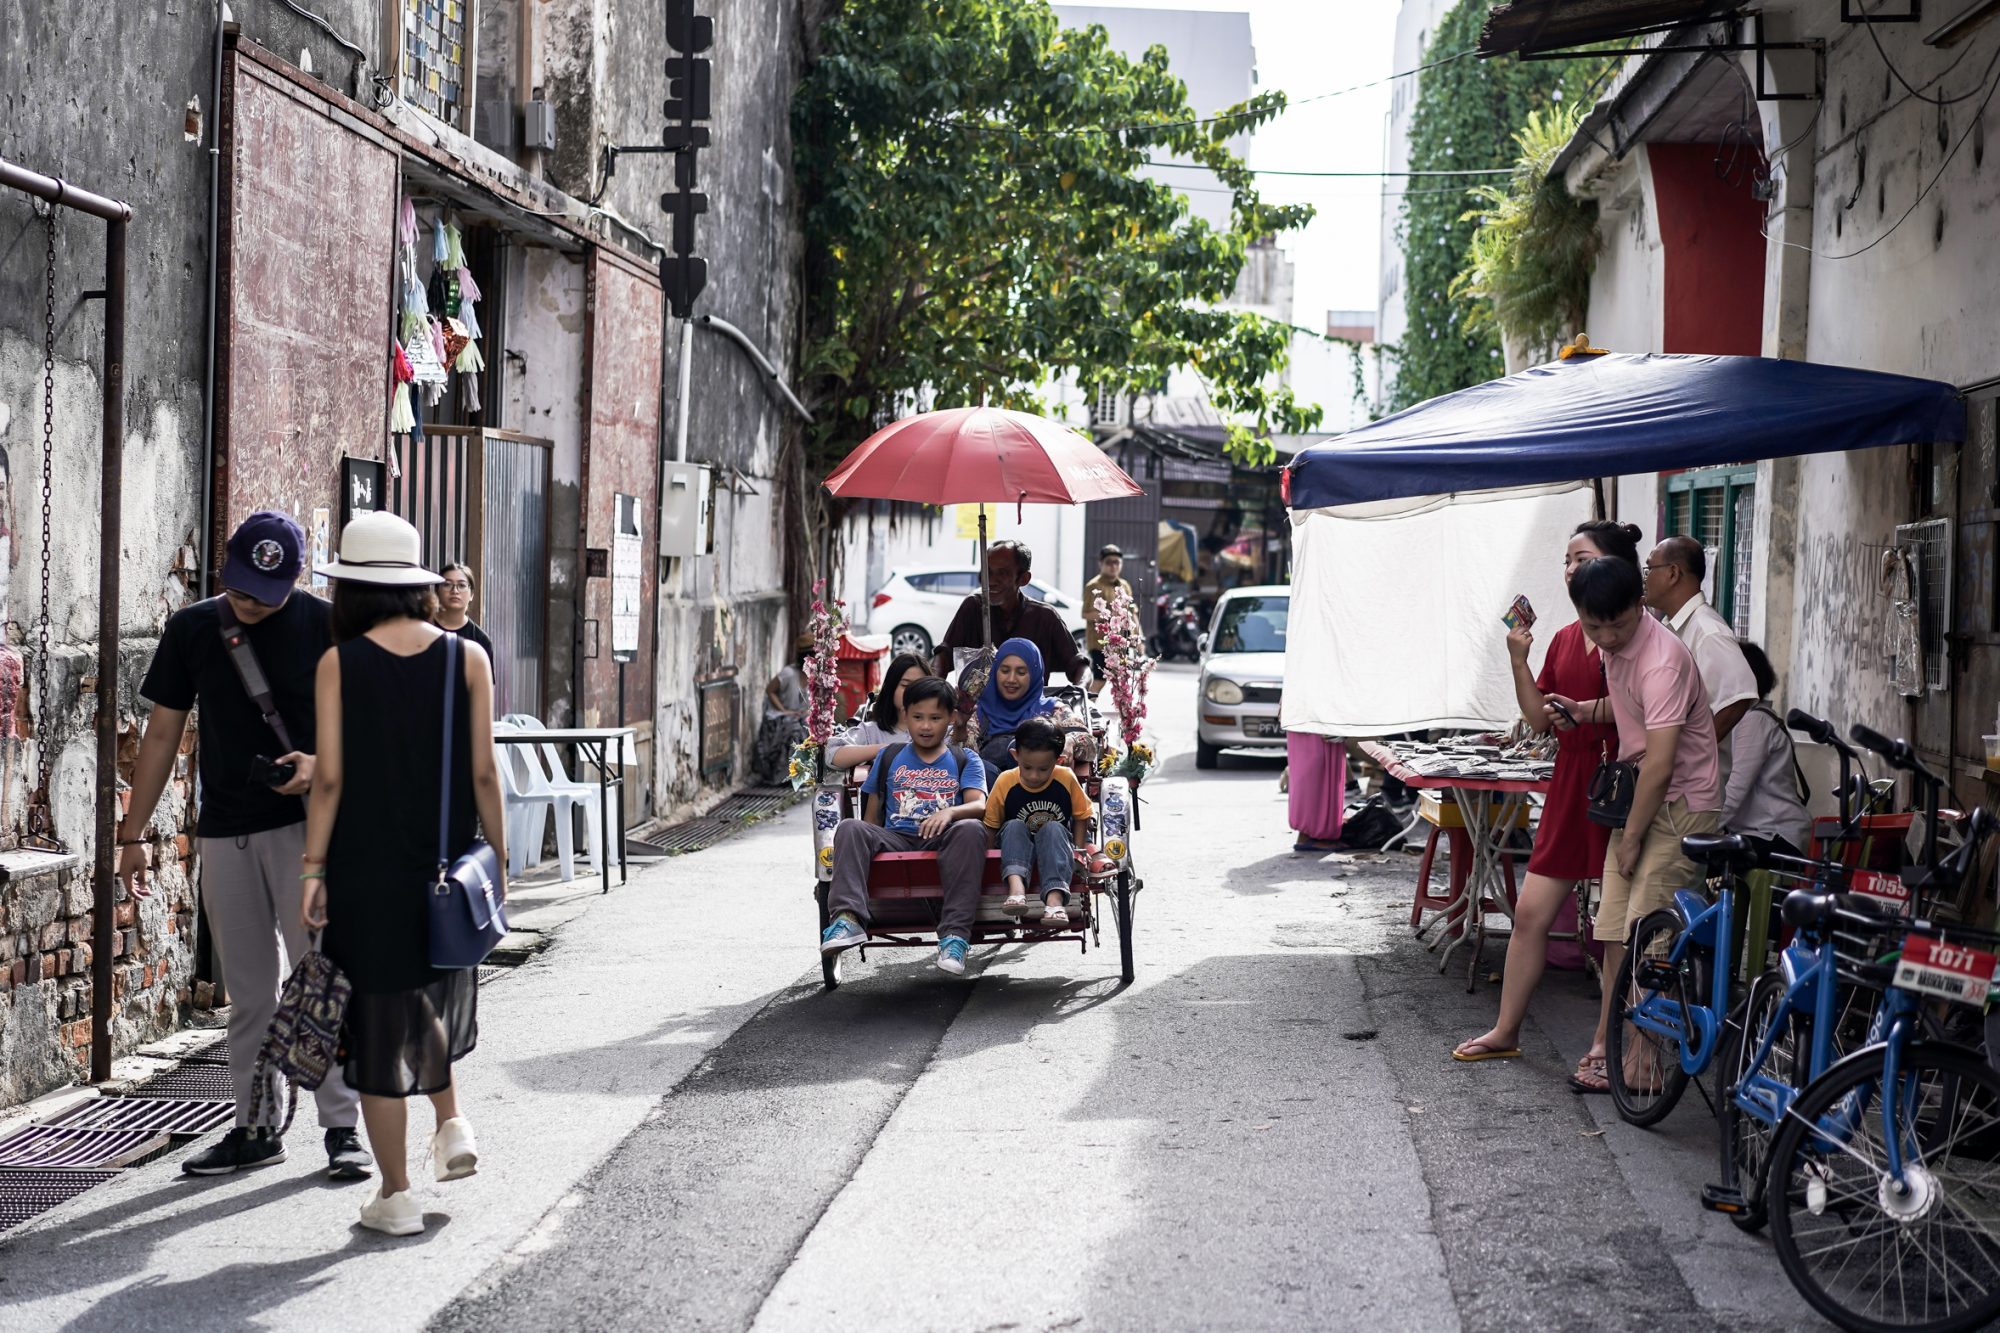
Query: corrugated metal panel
[[1133, 525], [428, 489], [514, 595]]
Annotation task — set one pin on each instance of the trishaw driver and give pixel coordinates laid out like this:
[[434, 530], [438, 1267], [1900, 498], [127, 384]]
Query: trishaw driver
[[1014, 617]]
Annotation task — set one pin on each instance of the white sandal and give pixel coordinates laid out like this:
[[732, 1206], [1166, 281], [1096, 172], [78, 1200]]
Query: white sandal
[[1016, 904], [1055, 917]]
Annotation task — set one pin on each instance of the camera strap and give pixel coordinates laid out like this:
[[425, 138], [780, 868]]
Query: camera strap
[[236, 643]]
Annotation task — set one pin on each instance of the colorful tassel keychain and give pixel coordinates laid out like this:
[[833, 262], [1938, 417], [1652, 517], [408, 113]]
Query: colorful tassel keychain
[[454, 248], [401, 418]]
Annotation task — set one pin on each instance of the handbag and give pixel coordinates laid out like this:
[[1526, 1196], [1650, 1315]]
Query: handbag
[[1609, 799], [466, 915], [303, 1041]]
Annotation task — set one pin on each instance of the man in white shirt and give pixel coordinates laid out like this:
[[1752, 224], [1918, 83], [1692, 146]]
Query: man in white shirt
[[1674, 571]]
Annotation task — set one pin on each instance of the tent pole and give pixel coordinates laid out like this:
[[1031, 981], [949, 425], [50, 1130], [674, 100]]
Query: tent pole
[[985, 586], [1597, 499]]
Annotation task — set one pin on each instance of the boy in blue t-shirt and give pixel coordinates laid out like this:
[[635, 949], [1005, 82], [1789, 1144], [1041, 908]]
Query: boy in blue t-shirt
[[925, 796]]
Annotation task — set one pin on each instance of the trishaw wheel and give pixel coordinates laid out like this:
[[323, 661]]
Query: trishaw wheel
[[1122, 903], [829, 963]]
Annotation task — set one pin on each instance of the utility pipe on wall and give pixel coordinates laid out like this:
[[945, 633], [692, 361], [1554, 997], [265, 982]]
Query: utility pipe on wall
[[103, 837]]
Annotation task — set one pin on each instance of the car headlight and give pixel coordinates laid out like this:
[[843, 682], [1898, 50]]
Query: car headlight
[[1222, 691]]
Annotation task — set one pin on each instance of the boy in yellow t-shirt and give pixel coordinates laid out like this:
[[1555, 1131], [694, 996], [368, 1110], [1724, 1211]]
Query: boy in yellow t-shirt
[[1033, 809]]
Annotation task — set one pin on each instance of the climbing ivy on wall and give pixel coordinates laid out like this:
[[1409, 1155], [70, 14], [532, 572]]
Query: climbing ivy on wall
[[1466, 117]]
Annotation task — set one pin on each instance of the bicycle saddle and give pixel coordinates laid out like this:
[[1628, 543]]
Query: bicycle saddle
[[1805, 909], [1716, 850]]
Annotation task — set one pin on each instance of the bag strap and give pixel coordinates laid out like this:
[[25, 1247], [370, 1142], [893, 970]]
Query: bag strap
[[1799, 782], [444, 771], [885, 761], [236, 645]]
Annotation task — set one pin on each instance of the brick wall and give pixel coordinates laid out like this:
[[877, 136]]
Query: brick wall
[[45, 930]]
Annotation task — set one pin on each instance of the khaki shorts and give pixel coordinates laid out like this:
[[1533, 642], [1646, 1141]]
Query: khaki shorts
[[1662, 869]]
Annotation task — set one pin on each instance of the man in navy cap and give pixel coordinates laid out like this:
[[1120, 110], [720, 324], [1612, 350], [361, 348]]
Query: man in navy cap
[[256, 766]]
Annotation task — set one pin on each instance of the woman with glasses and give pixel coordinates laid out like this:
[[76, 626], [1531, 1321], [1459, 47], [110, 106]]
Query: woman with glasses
[[455, 607]]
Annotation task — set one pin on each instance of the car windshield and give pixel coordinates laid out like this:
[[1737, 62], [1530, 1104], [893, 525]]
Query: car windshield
[[1251, 625]]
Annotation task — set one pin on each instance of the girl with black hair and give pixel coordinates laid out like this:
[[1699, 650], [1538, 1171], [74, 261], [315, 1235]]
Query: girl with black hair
[[1568, 847], [882, 724]]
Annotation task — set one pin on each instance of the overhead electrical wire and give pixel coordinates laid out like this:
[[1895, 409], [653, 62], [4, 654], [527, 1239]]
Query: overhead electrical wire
[[1370, 175], [1970, 93]]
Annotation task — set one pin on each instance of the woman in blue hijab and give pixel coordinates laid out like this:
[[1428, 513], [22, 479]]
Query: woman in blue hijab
[[1012, 694]]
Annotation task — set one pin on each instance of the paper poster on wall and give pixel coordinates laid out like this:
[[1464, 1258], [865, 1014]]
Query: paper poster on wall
[[966, 521], [322, 540], [625, 544]]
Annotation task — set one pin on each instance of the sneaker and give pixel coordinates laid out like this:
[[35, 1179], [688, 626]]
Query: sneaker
[[844, 933], [453, 1149], [346, 1159], [394, 1215], [241, 1148], [951, 955]]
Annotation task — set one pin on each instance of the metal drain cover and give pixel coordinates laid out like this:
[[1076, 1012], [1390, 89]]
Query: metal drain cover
[[213, 1053], [193, 1083], [45, 1146], [158, 1115], [692, 836], [26, 1194]]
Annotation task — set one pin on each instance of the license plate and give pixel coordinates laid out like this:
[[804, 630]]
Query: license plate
[[1262, 726], [1948, 971], [1887, 890]]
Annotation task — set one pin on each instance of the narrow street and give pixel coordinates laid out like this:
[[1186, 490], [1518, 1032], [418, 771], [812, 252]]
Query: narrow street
[[682, 1130]]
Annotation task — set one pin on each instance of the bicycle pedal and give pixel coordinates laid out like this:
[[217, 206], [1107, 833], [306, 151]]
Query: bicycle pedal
[[1719, 1200]]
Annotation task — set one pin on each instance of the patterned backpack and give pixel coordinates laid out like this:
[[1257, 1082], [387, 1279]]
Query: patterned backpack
[[304, 1040]]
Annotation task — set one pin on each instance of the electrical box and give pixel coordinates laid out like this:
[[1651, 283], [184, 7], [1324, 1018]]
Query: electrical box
[[687, 511], [538, 125]]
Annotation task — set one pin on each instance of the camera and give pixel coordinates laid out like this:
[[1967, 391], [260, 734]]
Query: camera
[[267, 772]]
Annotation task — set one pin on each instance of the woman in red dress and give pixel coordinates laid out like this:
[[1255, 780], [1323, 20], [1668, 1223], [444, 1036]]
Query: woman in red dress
[[1568, 847]]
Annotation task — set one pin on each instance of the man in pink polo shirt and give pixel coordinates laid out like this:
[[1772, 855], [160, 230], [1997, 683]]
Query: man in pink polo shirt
[[1656, 698]]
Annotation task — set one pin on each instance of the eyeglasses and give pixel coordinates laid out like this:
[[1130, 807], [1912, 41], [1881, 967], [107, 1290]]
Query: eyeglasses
[[457, 587]]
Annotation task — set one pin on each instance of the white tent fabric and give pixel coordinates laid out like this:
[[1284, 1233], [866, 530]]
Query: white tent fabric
[[1395, 621]]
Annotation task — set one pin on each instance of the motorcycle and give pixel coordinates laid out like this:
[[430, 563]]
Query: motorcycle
[[1179, 634]]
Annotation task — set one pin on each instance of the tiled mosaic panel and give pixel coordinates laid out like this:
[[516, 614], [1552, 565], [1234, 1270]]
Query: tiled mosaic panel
[[434, 56]]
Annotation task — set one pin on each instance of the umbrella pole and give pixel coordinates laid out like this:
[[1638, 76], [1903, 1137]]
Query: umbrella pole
[[985, 586]]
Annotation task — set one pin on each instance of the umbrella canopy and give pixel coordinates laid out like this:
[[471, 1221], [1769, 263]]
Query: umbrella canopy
[[1608, 415], [979, 455]]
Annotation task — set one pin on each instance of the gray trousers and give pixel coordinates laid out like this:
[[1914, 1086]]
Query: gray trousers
[[251, 887], [961, 853]]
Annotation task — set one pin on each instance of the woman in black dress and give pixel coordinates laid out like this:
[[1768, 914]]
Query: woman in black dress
[[372, 845]]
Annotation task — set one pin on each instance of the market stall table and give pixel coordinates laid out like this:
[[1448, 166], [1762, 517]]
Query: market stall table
[[595, 744], [1491, 806]]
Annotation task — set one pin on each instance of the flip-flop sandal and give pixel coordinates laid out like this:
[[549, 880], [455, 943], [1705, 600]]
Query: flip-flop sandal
[[1055, 918], [1016, 905], [1590, 1077], [1471, 1052]]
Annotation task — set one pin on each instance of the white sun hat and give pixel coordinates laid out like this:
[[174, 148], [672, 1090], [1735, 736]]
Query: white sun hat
[[383, 549]]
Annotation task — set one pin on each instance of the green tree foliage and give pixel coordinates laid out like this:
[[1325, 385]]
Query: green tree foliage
[[1465, 118], [1534, 244], [976, 224]]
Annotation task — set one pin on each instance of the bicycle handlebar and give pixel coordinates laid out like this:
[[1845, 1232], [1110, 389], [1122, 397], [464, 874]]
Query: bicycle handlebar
[[1818, 730], [1897, 752]]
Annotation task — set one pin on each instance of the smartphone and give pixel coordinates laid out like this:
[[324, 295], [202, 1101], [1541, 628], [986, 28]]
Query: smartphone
[[1555, 704], [266, 772], [1520, 615]]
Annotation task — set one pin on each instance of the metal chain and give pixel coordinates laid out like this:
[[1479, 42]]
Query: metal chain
[[41, 821]]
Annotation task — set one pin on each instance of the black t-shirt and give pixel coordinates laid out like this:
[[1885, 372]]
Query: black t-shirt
[[471, 632], [192, 667], [1034, 621]]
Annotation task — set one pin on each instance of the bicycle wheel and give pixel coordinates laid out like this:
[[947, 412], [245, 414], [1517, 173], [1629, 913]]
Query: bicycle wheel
[[1865, 1256], [1643, 1068], [1746, 1140]]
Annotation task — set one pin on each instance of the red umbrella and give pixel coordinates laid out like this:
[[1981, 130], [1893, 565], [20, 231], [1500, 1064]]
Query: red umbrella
[[979, 455]]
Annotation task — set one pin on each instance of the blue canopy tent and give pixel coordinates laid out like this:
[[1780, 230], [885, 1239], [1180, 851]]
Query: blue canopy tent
[[1612, 414], [1412, 534]]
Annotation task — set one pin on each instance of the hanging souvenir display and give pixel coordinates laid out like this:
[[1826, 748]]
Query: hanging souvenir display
[[401, 419]]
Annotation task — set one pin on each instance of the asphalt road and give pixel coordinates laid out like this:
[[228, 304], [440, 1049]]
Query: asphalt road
[[1265, 1131]]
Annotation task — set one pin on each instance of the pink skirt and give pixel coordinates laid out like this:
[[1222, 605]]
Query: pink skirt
[[1318, 784]]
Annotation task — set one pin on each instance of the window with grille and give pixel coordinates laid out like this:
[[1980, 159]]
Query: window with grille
[[1716, 507], [437, 52]]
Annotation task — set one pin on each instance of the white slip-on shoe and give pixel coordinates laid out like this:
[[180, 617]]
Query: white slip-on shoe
[[393, 1215], [453, 1149]]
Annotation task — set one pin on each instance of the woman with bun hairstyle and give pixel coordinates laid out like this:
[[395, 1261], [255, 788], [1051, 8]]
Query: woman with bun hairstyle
[[1568, 847]]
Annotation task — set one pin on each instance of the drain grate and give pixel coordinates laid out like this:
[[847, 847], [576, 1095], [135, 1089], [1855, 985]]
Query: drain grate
[[747, 805], [49, 1146], [692, 836], [26, 1194], [213, 1053], [192, 1083], [158, 1115]]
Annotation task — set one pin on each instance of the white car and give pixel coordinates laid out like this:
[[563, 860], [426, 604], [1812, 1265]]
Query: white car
[[1243, 674], [915, 606]]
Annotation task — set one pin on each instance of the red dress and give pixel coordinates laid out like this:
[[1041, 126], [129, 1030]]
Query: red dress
[[1568, 845]]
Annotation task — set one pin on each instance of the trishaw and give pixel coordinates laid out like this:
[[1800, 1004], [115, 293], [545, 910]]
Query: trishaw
[[904, 897], [985, 456]]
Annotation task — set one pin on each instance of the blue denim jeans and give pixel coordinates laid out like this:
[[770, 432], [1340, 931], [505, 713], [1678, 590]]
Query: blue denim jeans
[[1048, 852]]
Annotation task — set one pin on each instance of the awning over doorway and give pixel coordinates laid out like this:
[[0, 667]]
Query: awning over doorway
[[1614, 414]]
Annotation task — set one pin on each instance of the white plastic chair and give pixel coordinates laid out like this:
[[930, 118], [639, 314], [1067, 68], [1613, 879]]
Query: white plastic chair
[[562, 800], [527, 809], [571, 796]]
